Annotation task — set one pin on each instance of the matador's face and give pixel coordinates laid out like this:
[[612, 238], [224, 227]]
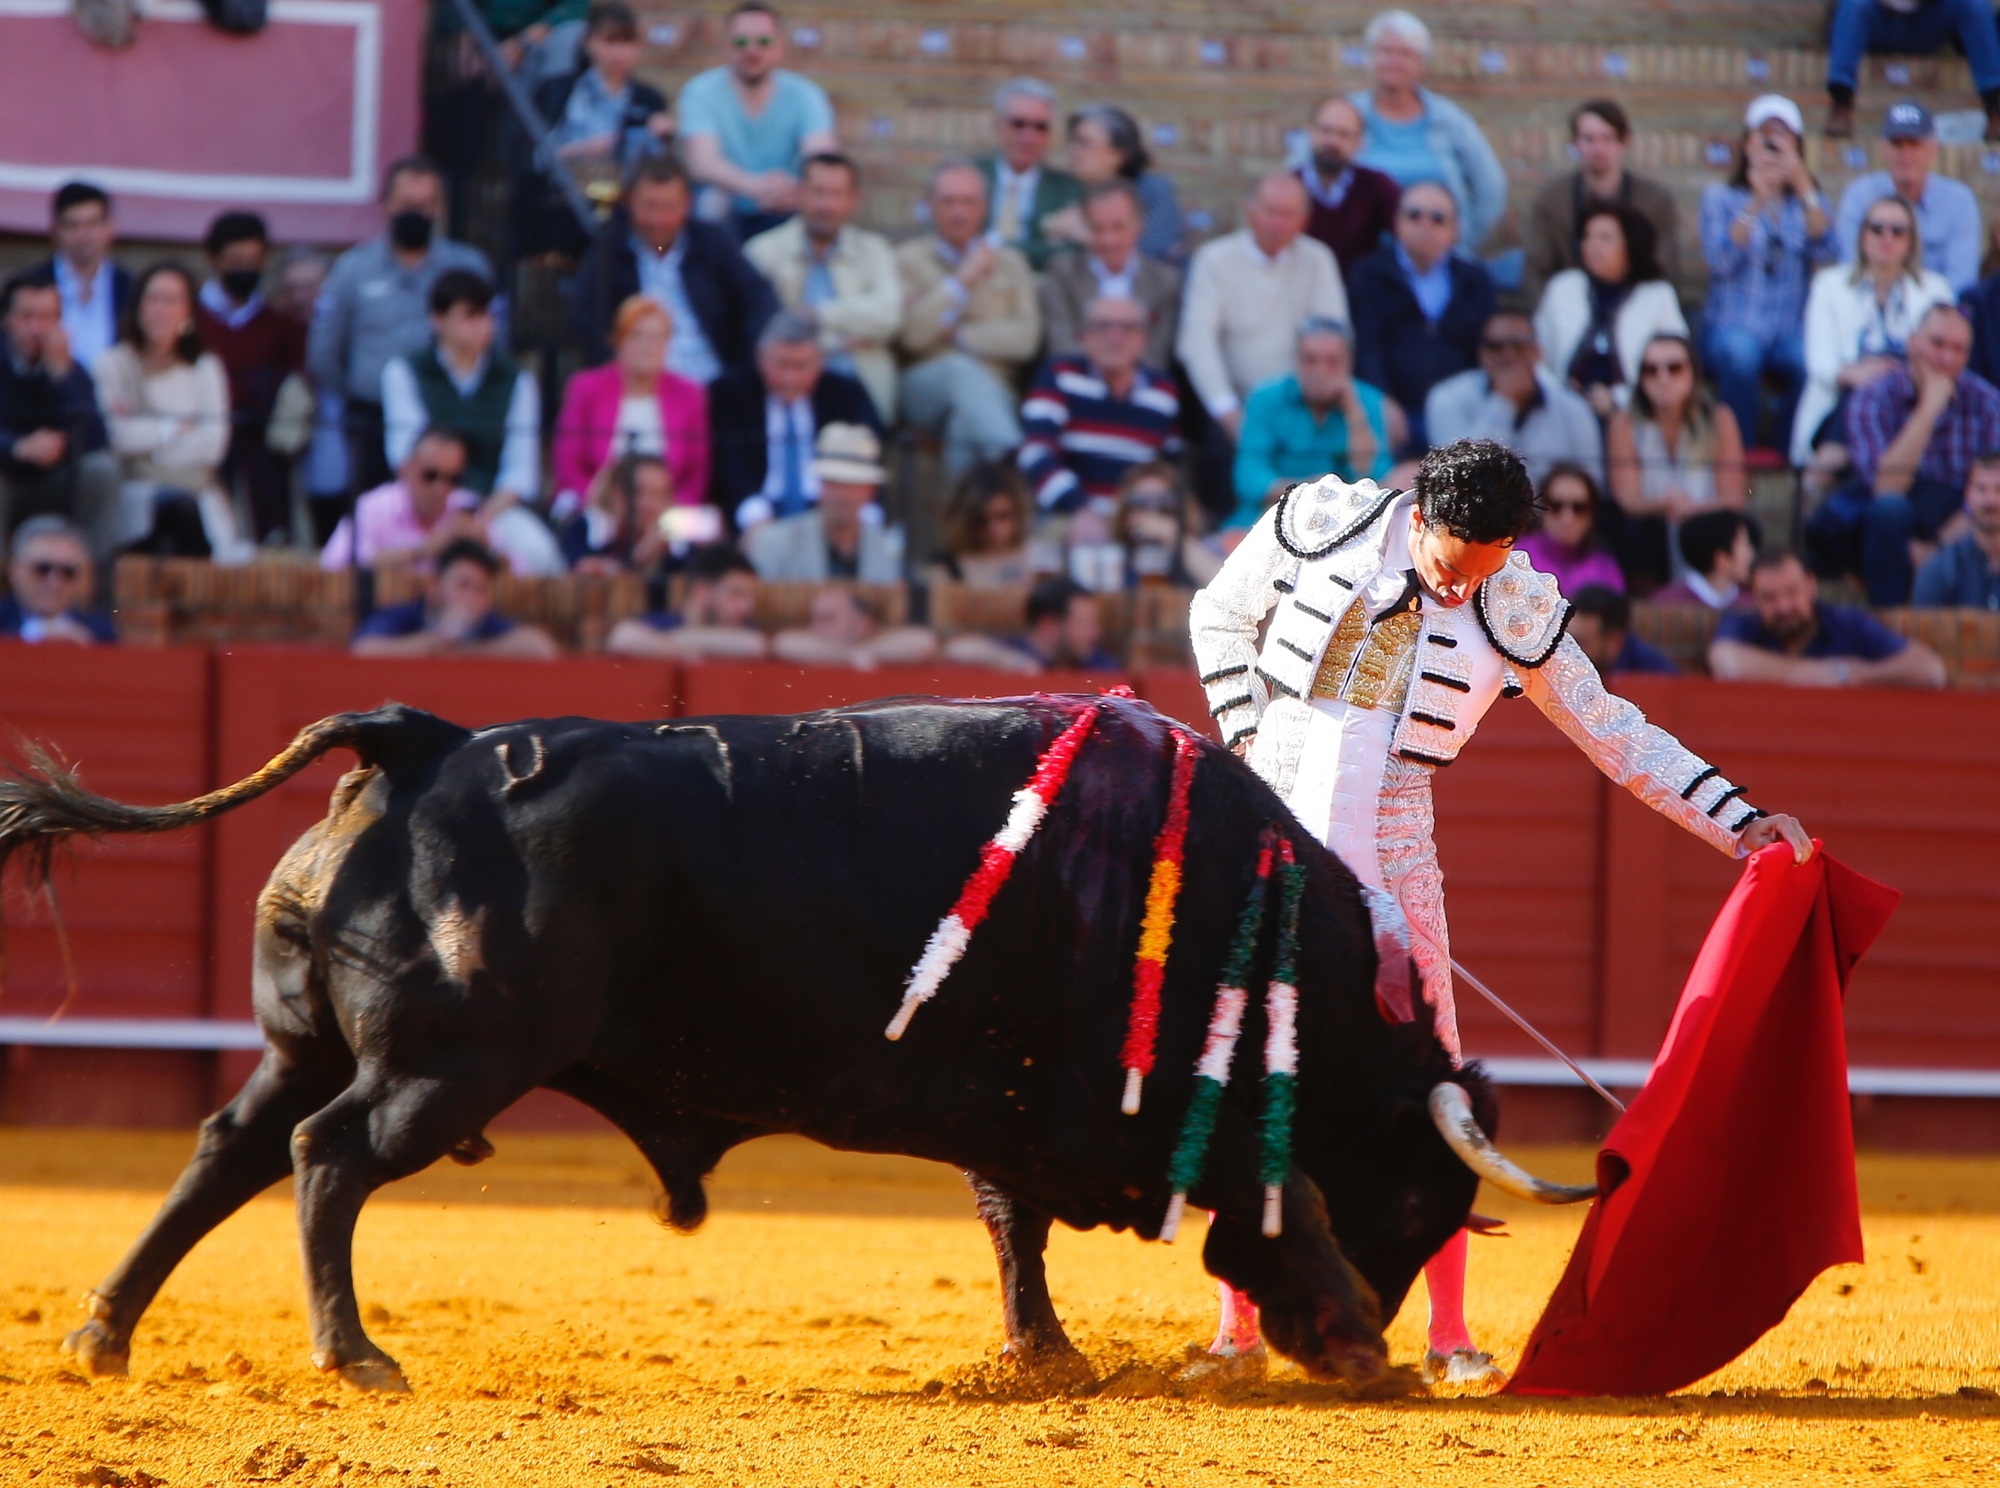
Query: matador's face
[[1451, 568]]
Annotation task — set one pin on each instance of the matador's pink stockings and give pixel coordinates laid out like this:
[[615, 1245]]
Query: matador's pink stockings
[[1444, 1277]]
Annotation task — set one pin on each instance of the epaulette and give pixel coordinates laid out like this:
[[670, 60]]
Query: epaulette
[[1313, 518], [1522, 612]]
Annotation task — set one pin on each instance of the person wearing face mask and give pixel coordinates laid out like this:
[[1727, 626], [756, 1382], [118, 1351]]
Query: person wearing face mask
[[1395, 620], [260, 346], [376, 306]]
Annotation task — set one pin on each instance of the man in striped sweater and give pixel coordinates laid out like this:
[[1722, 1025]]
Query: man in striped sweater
[[1091, 418]]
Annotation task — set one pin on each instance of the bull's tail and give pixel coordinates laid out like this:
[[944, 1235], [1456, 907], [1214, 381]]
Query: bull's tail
[[46, 806]]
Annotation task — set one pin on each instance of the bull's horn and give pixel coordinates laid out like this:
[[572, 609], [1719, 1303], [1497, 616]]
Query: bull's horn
[[1453, 1114]]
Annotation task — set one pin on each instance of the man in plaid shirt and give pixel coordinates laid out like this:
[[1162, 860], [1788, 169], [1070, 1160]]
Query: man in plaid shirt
[[1091, 418], [1913, 435]]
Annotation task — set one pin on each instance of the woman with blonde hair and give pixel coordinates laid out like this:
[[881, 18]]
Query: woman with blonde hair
[[1674, 452], [632, 406], [1859, 316]]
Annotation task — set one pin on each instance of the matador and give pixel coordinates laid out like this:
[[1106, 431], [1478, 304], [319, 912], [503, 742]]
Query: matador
[[1395, 620]]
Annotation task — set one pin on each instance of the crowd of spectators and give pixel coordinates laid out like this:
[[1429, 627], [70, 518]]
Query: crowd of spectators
[[1110, 404]]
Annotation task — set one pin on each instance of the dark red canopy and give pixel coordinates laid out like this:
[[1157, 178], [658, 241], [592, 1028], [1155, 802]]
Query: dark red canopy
[[1729, 1184]]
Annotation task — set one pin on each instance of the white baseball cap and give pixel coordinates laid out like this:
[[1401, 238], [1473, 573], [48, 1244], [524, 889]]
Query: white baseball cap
[[1775, 106]]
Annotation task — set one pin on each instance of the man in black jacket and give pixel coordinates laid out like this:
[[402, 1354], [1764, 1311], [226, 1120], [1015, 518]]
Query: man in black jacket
[[52, 438], [651, 246], [96, 291], [763, 421], [1418, 306]]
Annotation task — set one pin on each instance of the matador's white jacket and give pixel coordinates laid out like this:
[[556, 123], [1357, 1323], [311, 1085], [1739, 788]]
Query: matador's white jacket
[[1359, 777]]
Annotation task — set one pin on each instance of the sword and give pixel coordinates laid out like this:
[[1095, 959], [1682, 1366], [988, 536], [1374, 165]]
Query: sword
[[1534, 1033]]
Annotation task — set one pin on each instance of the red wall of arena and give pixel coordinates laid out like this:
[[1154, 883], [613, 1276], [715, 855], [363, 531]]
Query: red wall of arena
[[1566, 896]]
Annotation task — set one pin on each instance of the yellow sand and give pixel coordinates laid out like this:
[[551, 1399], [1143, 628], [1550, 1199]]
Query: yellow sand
[[555, 1334]]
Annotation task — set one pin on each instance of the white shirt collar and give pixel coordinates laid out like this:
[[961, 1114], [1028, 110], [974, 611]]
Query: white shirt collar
[[1708, 594]]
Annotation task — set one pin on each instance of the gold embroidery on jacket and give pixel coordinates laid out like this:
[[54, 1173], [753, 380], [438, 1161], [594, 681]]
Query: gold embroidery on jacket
[[1370, 667], [1347, 639]]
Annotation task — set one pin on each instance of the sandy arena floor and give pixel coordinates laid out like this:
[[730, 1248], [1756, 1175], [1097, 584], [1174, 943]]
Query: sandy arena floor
[[835, 1321]]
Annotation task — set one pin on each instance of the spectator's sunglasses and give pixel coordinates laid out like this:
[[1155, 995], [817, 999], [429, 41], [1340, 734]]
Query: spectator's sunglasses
[[47, 570], [1502, 345], [1581, 508], [1888, 226], [431, 475], [761, 40], [1664, 369], [1435, 216], [1123, 327], [1038, 126]]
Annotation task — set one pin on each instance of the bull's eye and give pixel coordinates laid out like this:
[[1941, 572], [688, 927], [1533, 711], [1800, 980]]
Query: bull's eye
[[1416, 1213]]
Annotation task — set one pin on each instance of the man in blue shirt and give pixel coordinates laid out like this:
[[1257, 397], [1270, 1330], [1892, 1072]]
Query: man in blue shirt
[[747, 125], [49, 576], [455, 617], [1794, 640], [1315, 420], [1947, 211], [1966, 572]]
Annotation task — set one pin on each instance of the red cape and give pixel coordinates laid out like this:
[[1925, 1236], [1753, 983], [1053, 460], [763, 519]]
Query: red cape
[[1729, 1184]]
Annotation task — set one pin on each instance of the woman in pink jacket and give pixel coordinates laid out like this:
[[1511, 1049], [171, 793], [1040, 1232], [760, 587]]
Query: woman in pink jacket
[[632, 405]]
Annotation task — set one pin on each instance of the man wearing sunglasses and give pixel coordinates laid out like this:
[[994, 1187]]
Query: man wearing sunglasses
[[1511, 398], [746, 126], [48, 578], [1022, 191], [1419, 306]]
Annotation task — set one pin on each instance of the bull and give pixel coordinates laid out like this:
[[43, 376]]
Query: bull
[[699, 929]]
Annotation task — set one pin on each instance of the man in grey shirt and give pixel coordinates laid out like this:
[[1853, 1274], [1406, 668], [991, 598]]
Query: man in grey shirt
[[376, 306], [1511, 399]]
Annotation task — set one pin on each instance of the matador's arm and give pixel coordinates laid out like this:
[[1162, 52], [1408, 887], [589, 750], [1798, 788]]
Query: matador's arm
[[1648, 761], [1222, 623]]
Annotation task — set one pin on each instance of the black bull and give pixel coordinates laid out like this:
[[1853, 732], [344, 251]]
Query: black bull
[[701, 929]]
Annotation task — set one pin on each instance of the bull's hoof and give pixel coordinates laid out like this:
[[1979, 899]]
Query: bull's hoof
[[97, 1351], [1063, 1369], [384, 1375], [1463, 1367], [1226, 1362]]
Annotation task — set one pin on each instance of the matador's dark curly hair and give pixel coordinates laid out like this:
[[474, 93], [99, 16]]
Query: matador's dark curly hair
[[1476, 490]]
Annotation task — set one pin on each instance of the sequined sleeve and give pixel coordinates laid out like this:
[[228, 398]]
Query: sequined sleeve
[[1222, 623], [1648, 761]]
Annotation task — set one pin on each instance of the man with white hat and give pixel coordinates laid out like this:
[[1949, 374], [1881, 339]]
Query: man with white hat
[[843, 537], [1763, 233], [1947, 211]]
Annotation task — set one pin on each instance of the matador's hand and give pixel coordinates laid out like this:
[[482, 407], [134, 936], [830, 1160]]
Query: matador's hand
[[1769, 829]]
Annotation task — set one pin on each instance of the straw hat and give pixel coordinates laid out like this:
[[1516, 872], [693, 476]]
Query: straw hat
[[849, 453]]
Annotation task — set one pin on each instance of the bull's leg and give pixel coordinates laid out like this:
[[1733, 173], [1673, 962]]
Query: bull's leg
[[384, 1126], [242, 1151], [1020, 1232]]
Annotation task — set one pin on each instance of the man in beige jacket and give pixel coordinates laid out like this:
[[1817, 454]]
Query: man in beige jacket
[[970, 324], [840, 276]]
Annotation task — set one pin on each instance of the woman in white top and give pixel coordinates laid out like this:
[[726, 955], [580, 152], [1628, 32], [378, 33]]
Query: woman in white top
[[1594, 321], [166, 406], [1673, 453], [1859, 316]]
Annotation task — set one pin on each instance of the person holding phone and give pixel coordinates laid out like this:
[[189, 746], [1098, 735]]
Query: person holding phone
[[1764, 233]]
